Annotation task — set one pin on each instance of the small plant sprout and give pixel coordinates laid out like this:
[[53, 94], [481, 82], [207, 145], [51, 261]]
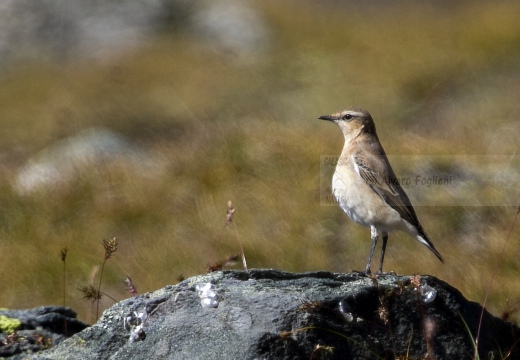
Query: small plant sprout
[[415, 281], [89, 291], [508, 312], [219, 265], [11, 338], [208, 296], [310, 306], [383, 311], [63, 254], [131, 288], [110, 248], [230, 212], [42, 340], [63, 257], [374, 278], [328, 350], [229, 220]]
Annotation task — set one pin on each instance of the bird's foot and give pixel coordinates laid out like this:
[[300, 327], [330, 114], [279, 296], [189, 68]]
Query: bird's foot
[[367, 270]]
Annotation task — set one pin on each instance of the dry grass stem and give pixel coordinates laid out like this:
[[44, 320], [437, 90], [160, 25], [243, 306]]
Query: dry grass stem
[[229, 220]]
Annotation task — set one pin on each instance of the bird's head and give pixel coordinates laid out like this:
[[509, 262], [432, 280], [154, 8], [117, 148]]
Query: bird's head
[[352, 121]]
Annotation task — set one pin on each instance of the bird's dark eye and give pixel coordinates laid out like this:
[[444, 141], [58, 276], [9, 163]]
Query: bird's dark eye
[[348, 116]]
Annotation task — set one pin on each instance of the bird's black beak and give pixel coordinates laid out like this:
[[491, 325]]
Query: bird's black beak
[[328, 118]]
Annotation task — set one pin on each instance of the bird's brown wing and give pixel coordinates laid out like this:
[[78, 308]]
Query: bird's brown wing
[[376, 171]]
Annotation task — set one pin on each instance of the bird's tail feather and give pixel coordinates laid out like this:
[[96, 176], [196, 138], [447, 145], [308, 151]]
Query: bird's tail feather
[[425, 240]]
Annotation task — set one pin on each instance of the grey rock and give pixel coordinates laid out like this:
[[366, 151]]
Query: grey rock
[[70, 28], [39, 329], [63, 162], [271, 314], [231, 27]]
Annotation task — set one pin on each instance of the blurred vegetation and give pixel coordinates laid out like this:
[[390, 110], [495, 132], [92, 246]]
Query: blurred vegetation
[[438, 78]]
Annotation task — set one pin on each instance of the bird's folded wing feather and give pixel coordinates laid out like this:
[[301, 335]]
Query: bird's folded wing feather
[[377, 173]]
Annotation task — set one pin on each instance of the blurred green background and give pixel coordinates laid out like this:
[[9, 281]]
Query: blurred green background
[[192, 114]]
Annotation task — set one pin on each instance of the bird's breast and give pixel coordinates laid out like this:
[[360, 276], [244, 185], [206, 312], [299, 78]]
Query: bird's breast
[[351, 194], [362, 204]]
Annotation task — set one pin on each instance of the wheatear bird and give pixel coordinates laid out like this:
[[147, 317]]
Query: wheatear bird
[[366, 187]]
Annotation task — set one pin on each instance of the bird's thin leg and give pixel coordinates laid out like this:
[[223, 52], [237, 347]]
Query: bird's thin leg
[[384, 235], [373, 237]]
